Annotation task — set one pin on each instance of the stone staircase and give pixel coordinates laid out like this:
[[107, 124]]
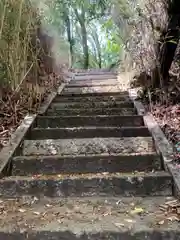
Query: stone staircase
[[87, 170]]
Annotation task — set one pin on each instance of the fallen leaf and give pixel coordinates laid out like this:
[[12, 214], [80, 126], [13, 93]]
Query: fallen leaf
[[21, 210], [161, 222], [130, 220], [118, 202], [106, 214], [137, 210], [48, 205], [119, 225], [37, 213]]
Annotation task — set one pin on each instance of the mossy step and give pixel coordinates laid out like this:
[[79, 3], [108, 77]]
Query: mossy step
[[95, 104], [95, 77], [97, 120], [33, 165], [92, 111], [85, 90], [86, 146], [87, 132], [92, 83], [100, 184], [89, 97]]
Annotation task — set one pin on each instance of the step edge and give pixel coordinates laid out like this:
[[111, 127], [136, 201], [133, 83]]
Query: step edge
[[89, 127], [40, 157], [61, 177], [88, 116]]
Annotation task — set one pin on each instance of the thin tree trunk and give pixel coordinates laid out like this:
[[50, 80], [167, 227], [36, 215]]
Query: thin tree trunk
[[69, 36], [97, 47], [81, 19], [99, 52], [85, 46]]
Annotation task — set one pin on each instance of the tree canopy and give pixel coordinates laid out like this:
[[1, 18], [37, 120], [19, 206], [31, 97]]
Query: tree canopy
[[88, 28]]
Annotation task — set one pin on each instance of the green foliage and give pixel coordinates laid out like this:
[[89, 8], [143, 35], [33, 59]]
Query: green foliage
[[86, 14], [71, 20], [17, 22]]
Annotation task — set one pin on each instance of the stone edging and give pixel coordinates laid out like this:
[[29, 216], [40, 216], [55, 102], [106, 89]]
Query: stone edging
[[43, 108], [163, 147], [16, 140]]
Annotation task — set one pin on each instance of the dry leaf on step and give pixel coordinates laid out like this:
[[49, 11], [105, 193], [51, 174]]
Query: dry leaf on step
[[22, 210], [130, 220], [161, 222], [119, 225], [137, 210], [36, 213]]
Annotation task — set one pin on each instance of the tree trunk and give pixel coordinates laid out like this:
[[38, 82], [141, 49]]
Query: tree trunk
[[69, 36], [85, 46], [171, 40], [100, 62], [82, 20], [99, 52], [97, 48]]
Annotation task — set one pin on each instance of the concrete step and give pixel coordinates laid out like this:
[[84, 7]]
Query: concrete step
[[95, 77], [95, 89], [87, 219], [95, 73], [99, 184], [35, 165], [91, 98], [81, 121], [104, 81], [92, 111], [96, 104], [92, 83], [87, 132], [92, 73], [87, 146], [95, 94]]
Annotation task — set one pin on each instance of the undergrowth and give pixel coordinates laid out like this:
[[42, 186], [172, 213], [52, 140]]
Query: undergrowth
[[25, 76]]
